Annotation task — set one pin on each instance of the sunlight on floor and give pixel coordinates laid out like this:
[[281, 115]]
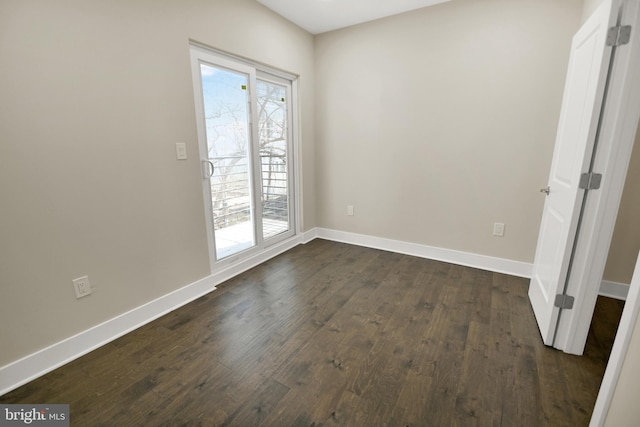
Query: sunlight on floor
[[238, 237]]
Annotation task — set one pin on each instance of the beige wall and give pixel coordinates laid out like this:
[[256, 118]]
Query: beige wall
[[436, 124], [589, 7], [94, 97], [625, 243]]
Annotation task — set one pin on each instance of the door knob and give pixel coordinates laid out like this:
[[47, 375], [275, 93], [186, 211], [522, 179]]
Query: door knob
[[546, 190]]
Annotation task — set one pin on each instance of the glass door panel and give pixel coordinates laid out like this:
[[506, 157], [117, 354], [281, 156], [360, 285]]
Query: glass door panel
[[227, 118], [244, 123], [273, 149]]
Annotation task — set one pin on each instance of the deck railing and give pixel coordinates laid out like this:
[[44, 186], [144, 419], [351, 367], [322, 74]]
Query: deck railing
[[231, 191]]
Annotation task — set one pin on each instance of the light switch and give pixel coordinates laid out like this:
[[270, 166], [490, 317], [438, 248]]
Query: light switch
[[181, 151]]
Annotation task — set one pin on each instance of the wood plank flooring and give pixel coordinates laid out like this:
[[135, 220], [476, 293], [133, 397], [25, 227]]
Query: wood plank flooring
[[330, 334]]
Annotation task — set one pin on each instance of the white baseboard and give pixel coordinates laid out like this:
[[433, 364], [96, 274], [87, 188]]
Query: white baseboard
[[43, 361], [483, 262], [309, 235], [39, 363], [614, 290], [47, 359]]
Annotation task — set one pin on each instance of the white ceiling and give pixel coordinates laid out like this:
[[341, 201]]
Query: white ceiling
[[319, 16]]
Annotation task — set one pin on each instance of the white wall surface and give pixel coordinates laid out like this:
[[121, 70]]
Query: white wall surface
[[95, 94], [437, 123], [624, 410]]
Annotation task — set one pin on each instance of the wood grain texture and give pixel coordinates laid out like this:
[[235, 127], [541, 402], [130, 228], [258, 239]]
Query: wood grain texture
[[330, 334]]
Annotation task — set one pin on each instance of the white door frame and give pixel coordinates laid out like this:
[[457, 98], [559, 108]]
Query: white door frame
[[627, 70], [617, 134]]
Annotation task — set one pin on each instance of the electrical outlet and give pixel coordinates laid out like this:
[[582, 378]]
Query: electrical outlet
[[350, 210], [82, 286], [498, 229]]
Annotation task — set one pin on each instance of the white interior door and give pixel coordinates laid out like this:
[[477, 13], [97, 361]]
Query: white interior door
[[577, 131]]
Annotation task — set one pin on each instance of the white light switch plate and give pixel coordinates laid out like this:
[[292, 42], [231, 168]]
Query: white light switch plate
[[181, 151]]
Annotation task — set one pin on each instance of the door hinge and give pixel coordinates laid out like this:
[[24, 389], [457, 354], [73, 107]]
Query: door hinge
[[618, 35], [564, 302], [590, 181]]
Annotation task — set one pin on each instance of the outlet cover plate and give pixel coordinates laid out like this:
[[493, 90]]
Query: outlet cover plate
[[82, 287]]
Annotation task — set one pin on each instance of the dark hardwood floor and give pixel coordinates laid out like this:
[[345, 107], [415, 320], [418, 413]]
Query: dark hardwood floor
[[332, 334]]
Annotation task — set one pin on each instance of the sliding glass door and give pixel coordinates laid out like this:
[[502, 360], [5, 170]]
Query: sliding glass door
[[274, 157], [227, 118], [244, 118]]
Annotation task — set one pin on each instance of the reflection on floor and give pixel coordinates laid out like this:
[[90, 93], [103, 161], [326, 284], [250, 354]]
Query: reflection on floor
[[238, 237], [604, 325]]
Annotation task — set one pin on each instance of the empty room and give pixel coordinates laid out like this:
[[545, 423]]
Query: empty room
[[319, 212]]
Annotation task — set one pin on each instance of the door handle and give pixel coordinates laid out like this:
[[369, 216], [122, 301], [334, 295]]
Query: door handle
[[546, 190], [207, 169]]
